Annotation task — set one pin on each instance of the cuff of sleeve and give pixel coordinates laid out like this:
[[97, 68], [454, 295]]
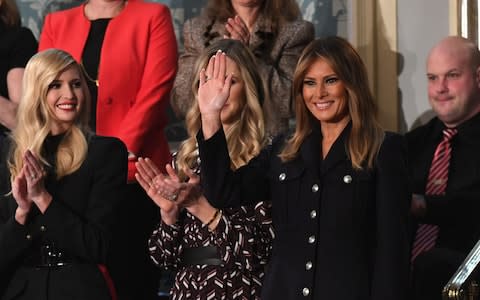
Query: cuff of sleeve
[[132, 169]]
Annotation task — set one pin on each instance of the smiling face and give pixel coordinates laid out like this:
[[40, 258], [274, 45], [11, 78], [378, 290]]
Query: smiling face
[[233, 107], [453, 83], [65, 99], [324, 93]]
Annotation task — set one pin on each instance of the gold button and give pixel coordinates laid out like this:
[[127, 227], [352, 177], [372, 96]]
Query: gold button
[[313, 214], [282, 176], [315, 188], [43, 228], [306, 292], [28, 237], [308, 265], [311, 239]]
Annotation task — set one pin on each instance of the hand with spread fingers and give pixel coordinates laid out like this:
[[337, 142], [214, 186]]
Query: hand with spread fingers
[[237, 30], [214, 87], [148, 176], [187, 192]]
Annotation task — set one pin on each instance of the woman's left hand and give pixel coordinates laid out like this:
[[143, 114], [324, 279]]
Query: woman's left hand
[[188, 192], [147, 174], [35, 177]]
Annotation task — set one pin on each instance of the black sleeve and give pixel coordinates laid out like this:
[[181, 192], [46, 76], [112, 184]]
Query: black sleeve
[[391, 268], [87, 236], [222, 186], [24, 47]]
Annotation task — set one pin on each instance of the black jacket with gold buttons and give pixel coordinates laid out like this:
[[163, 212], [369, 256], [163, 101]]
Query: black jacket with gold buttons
[[55, 254], [340, 233]]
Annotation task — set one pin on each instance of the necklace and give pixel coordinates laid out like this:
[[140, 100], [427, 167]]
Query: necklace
[[97, 83]]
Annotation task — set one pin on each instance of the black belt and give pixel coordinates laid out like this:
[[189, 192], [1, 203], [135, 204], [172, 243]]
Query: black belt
[[47, 256], [200, 256]]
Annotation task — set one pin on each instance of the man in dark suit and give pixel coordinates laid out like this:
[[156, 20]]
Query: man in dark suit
[[448, 198]]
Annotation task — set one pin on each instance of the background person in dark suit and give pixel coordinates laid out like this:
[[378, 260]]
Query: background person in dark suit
[[56, 225], [338, 186], [453, 71]]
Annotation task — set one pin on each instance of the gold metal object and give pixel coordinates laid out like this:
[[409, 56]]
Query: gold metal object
[[462, 285]]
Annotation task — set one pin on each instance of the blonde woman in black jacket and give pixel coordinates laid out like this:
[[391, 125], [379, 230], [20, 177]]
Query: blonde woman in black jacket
[[59, 194]]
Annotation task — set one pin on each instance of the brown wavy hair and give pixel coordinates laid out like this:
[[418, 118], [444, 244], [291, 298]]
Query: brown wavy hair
[[9, 14], [366, 135]]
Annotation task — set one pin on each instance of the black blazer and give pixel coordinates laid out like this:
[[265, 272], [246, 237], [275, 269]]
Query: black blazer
[[457, 212], [79, 221], [340, 233]]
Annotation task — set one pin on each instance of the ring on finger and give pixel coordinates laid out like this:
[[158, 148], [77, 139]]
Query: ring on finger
[[174, 197]]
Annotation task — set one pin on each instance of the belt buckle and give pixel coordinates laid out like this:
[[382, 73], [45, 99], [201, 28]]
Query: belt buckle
[[50, 257]]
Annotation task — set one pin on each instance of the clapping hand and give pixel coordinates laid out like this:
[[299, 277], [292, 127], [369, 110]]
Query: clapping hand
[[149, 177], [28, 187], [170, 187], [167, 191], [20, 194], [35, 175], [238, 30]]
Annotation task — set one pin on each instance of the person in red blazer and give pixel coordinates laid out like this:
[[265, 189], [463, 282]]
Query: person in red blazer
[[138, 63], [129, 52]]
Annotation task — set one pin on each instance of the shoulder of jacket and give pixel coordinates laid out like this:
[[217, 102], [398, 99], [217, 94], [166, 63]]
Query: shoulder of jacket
[[421, 131], [298, 25], [297, 30], [66, 13], [393, 138], [199, 21], [105, 142], [149, 8]]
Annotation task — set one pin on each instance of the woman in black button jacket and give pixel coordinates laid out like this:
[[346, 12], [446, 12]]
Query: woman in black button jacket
[[60, 189], [338, 185]]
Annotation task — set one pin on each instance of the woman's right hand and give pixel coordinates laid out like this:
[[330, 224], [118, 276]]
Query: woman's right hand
[[213, 92], [147, 176], [20, 194]]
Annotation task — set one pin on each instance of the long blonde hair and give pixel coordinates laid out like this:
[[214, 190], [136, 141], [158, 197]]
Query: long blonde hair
[[246, 136], [366, 135], [34, 116]]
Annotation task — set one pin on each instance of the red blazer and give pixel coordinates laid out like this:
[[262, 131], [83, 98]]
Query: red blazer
[[138, 63]]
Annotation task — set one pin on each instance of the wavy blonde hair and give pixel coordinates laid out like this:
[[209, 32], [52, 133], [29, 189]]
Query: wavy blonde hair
[[366, 135], [34, 116], [246, 136]]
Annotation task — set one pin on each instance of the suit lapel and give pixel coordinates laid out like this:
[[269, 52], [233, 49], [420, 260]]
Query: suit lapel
[[338, 152]]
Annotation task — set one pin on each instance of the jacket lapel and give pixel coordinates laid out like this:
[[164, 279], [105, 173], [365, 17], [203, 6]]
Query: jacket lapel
[[337, 153]]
